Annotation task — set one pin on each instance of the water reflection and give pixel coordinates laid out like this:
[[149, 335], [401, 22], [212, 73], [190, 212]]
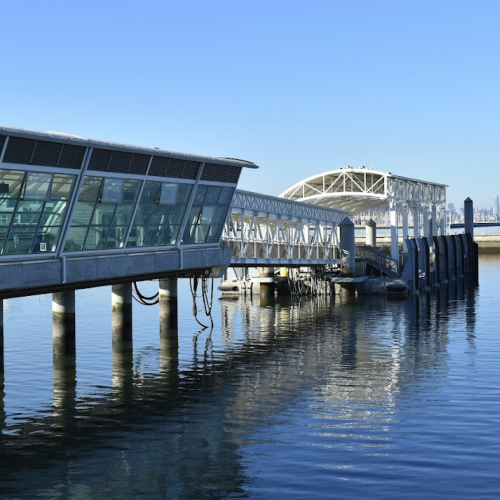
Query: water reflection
[[181, 432]]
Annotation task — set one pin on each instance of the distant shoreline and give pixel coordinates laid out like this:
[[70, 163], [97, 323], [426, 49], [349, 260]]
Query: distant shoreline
[[487, 243]]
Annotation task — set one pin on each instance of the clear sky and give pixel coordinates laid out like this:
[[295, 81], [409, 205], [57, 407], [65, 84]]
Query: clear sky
[[298, 87]]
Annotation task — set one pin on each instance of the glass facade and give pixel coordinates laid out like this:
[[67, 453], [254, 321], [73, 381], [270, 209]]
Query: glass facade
[[66, 197], [208, 214], [102, 214], [33, 206], [159, 214]]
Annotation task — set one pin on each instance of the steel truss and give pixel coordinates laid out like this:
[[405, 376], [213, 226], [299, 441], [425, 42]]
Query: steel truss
[[264, 230], [358, 189]]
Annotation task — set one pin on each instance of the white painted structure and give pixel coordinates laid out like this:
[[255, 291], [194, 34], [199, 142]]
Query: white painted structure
[[264, 230], [356, 190]]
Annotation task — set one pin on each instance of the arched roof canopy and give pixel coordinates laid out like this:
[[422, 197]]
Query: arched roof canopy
[[356, 190]]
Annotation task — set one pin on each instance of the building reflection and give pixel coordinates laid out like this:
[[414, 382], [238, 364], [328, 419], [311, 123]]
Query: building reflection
[[183, 425]]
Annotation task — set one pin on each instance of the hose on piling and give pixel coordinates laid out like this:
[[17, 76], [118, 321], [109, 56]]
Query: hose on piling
[[207, 298], [143, 299]]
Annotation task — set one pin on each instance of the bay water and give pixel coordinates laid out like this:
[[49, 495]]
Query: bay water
[[327, 398]]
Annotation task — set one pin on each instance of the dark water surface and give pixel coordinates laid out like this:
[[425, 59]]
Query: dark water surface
[[348, 399]]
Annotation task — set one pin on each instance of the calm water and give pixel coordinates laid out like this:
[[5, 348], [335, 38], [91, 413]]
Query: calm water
[[364, 398]]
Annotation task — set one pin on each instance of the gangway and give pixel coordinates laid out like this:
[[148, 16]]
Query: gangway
[[264, 230]]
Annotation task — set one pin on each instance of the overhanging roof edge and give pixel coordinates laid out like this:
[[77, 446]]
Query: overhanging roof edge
[[85, 142]]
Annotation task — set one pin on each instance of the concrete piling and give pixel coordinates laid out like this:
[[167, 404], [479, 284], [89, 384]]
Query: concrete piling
[[1, 338], [348, 245], [266, 283], [371, 233], [63, 324], [167, 297], [121, 298]]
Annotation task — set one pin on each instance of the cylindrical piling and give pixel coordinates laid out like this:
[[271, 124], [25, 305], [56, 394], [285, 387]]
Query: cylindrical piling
[[1, 338], [348, 245], [121, 298], [371, 233], [63, 324], [266, 284], [469, 217], [167, 296]]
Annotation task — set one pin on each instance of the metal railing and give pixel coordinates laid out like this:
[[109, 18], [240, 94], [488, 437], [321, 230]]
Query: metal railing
[[378, 260]]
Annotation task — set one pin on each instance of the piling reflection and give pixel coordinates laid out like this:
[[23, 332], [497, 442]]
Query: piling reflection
[[355, 356]]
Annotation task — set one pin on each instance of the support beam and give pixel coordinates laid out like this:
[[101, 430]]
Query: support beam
[[394, 232], [416, 220], [425, 221], [405, 227], [434, 221]]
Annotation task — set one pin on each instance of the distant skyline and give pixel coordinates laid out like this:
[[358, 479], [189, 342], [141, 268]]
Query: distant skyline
[[298, 88]]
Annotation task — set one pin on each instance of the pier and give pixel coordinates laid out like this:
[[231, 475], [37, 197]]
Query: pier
[[78, 213]]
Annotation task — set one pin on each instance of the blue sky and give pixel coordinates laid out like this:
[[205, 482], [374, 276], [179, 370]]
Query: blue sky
[[410, 87]]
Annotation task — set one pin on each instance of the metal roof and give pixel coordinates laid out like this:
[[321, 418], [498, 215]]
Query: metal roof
[[359, 189], [82, 141]]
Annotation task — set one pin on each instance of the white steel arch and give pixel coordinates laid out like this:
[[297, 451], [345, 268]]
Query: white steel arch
[[356, 190]]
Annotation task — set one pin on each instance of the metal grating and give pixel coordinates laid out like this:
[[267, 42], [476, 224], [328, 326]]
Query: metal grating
[[19, 150], [208, 171], [120, 161], [175, 168], [71, 156], [46, 153], [163, 166], [220, 173], [158, 166], [2, 142], [190, 170], [139, 164], [100, 159], [233, 174]]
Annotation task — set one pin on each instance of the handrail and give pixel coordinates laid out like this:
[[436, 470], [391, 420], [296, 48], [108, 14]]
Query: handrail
[[378, 259]]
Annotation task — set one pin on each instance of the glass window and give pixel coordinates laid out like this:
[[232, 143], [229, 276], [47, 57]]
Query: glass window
[[212, 195], [112, 191], [159, 215], [37, 186], [226, 196], [90, 189], [168, 194], [11, 182], [62, 186]]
